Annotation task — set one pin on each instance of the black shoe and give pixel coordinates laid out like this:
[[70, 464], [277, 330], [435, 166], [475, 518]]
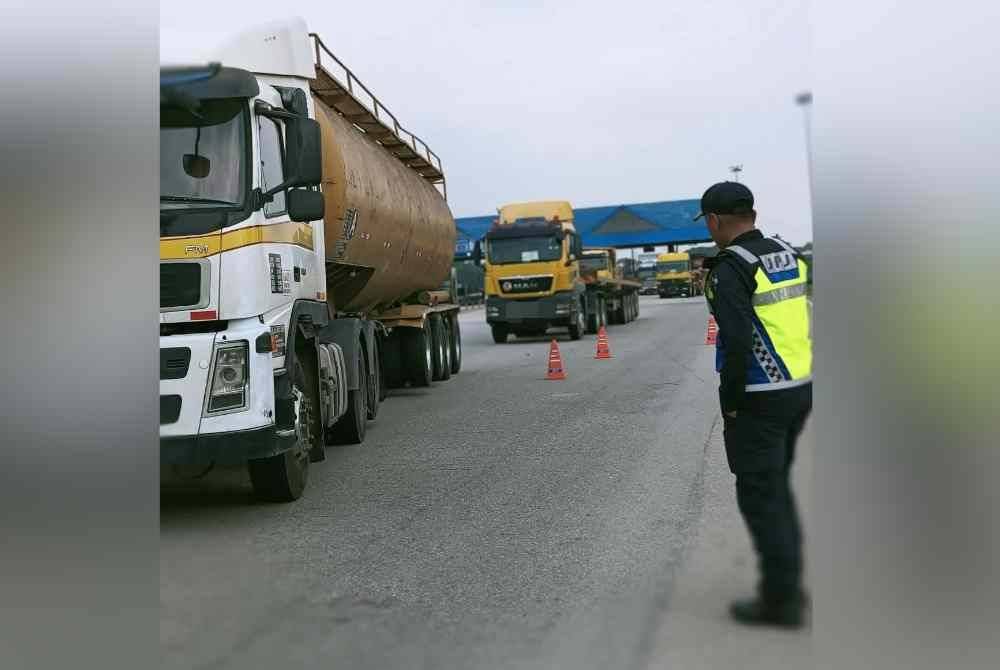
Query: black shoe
[[759, 612]]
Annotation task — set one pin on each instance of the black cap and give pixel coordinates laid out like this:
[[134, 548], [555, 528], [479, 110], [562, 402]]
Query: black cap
[[726, 197]]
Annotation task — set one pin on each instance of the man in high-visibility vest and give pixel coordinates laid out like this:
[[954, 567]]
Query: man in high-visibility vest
[[756, 289]]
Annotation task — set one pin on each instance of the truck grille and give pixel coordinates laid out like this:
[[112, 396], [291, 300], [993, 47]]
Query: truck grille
[[174, 362], [170, 409], [525, 284], [180, 285]]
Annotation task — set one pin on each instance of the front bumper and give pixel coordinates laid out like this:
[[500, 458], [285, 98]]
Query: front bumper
[[555, 310], [233, 448], [673, 290]]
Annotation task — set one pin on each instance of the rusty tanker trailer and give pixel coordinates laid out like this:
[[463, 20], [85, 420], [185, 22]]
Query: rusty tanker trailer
[[306, 251], [389, 240], [388, 231]]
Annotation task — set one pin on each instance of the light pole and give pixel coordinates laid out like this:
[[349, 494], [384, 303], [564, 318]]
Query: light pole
[[804, 100]]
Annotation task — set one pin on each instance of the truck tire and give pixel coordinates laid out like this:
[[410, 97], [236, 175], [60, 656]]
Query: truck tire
[[594, 320], [442, 348], [392, 359], [619, 314], [578, 326], [500, 333], [375, 392], [456, 345], [418, 354], [383, 386], [283, 478], [350, 428]]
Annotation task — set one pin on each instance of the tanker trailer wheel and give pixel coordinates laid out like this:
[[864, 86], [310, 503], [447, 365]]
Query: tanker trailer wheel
[[350, 428], [418, 354], [383, 386], [283, 478], [442, 349], [392, 353], [500, 332], [456, 345], [375, 385]]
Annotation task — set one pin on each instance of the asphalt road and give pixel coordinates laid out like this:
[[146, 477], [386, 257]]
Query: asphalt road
[[496, 520]]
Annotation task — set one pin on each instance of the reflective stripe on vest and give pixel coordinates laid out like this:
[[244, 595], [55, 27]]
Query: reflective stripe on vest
[[779, 294], [782, 348]]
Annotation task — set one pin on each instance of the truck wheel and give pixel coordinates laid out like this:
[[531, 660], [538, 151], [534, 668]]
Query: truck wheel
[[283, 478], [578, 326], [620, 313], [350, 428], [418, 353], [375, 392], [392, 359], [500, 333], [383, 386], [456, 345], [442, 349], [594, 320]]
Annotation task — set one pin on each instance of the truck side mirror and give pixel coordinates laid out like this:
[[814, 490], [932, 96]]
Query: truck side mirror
[[477, 253], [303, 157], [304, 205]]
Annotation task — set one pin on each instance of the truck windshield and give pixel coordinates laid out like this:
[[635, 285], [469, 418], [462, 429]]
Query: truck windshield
[[524, 250], [672, 266], [591, 264], [202, 155]]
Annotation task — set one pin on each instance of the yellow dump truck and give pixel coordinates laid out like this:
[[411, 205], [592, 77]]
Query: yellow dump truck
[[673, 275]]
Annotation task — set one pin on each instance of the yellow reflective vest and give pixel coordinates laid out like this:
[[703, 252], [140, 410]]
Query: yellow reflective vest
[[782, 346]]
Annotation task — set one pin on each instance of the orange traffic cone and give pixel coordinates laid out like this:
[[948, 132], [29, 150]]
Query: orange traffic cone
[[555, 363], [713, 331], [603, 350]]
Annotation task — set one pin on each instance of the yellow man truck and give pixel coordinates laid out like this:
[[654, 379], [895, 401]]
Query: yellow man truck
[[673, 275], [535, 279], [532, 271], [614, 295]]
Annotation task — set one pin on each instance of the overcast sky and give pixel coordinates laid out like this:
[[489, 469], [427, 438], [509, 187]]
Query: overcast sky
[[594, 102]]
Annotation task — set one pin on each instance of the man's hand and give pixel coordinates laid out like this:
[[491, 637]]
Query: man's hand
[[732, 414]]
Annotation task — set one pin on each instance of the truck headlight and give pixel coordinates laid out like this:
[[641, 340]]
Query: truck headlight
[[562, 308], [229, 377]]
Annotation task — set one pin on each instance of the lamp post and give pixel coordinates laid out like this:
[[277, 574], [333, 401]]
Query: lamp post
[[804, 100]]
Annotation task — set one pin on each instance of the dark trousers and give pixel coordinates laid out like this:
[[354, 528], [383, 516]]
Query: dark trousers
[[760, 447]]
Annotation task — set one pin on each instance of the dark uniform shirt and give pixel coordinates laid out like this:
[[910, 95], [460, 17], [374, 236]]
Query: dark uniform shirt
[[730, 292]]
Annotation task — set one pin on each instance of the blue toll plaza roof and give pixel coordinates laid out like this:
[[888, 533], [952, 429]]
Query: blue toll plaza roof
[[636, 225]]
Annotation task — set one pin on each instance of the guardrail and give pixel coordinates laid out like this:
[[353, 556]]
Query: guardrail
[[358, 91]]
